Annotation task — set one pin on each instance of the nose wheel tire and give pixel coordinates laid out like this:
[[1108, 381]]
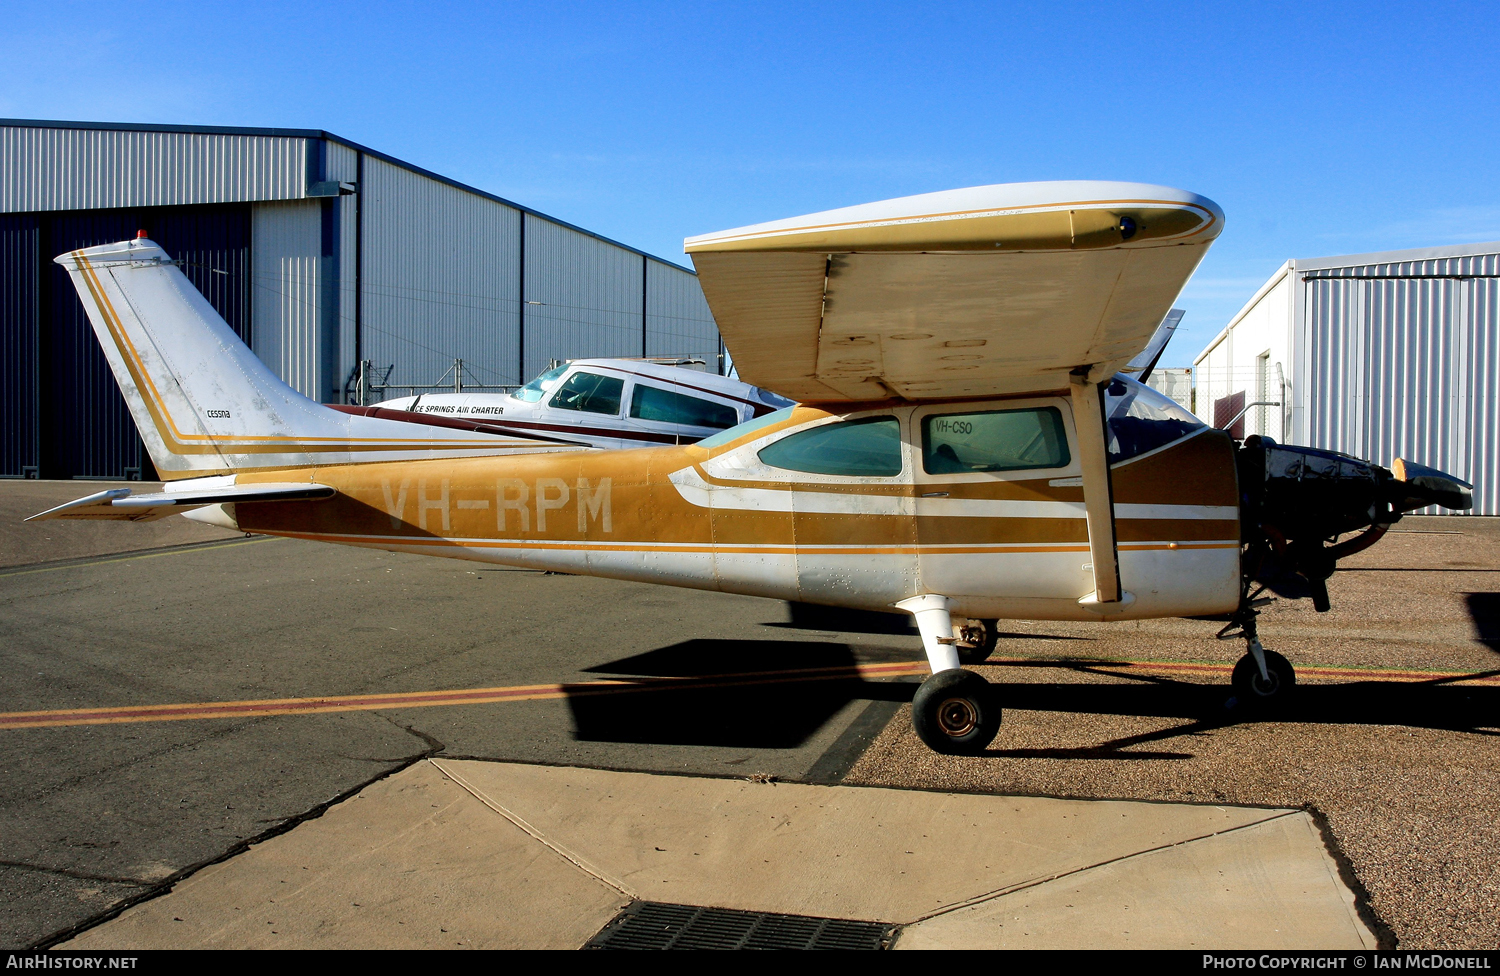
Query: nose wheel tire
[[976, 641], [1263, 694], [956, 713]]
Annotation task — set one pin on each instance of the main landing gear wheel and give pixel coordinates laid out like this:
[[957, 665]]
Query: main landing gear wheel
[[1263, 694], [956, 713], [976, 641]]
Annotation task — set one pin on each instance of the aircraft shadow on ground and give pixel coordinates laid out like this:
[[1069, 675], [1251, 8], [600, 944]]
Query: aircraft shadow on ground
[[729, 693], [843, 620], [1484, 610], [769, 694], [1439, 705], [748, 693]]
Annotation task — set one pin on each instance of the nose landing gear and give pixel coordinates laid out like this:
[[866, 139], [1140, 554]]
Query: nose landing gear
[[1263, 680]]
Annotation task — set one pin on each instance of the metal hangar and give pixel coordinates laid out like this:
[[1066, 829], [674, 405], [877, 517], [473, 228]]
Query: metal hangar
[[322, 254], [1384, 355]]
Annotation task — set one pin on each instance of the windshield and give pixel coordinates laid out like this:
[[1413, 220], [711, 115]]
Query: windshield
[[534, 391], [1141, 419]]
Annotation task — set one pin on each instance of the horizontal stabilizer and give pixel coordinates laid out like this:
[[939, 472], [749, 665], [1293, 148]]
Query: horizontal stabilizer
[[120, 504]]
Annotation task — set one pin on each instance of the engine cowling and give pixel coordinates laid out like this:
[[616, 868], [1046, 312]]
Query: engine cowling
[[1295, 503]]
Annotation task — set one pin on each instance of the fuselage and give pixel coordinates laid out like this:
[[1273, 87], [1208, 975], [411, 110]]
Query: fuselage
[[738, 514]]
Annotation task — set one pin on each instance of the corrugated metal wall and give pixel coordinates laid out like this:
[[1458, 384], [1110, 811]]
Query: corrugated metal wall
[[678, 322], [410, 272], [583, 297], [1401, 362], [85, 428], [440, 279], [77, 169], [285, 298], [1484, 393], [20, 266]]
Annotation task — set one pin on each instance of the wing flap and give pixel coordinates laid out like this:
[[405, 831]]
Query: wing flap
[[775, 302], [119, 504]]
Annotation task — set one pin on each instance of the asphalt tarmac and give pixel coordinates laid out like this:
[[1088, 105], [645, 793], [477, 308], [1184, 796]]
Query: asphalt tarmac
[[1384, 741], [93, 816], [96, 816]]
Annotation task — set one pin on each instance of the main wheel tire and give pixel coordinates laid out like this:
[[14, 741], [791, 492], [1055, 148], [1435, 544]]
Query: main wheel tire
[[956, 713], [977, 641], [1260, 694]]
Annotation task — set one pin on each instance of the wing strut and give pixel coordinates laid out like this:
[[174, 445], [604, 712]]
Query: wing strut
[[1093, 456]]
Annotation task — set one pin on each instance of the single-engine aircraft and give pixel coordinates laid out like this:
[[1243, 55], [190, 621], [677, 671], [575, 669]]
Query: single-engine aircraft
[[964, 449], [611, 403]]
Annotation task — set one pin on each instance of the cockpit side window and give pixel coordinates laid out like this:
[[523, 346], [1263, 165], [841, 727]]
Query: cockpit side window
[[868, 448], [996, 440], [590, 393], [665, 406], [1141, 419]]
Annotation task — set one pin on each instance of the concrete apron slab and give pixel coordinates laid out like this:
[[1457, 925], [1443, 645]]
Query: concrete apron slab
[[466, 853]]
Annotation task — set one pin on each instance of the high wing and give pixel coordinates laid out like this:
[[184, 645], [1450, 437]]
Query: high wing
[[985, 290]]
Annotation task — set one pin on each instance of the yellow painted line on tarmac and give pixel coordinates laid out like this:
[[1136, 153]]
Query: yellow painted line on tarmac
[[428, 699], [487, 696], [130, 556]]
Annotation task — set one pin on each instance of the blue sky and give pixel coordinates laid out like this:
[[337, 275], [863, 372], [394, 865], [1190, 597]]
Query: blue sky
[[1319, 128]]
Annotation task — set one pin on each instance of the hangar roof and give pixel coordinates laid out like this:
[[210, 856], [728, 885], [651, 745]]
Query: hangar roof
[[271, 132]]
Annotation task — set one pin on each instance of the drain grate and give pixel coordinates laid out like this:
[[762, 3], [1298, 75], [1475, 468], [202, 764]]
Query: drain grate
[[655, 925]]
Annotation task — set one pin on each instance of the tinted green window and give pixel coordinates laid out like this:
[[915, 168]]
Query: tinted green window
[[590, 392], [748, 427], [859, 448], [654, 403], [1002, 440]]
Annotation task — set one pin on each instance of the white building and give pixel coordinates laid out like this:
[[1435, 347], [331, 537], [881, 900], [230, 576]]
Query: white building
[[1394, 354]]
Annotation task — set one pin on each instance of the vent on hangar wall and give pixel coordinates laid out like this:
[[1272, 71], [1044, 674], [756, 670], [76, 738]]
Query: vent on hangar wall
[[654, 925]]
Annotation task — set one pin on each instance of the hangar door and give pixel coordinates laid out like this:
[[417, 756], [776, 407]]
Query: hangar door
[[64, 416]]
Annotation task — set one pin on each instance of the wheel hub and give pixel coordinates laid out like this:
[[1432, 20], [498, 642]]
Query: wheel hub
[[1266, 686], [957, 716]]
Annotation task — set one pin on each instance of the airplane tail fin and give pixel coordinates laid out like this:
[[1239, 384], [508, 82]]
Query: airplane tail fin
[[204, 403]]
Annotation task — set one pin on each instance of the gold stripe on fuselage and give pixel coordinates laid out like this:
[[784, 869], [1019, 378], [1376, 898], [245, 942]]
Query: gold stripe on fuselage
[[624, 501]]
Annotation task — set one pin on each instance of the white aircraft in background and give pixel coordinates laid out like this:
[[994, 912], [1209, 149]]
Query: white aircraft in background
[[607, 403], [964, 449]]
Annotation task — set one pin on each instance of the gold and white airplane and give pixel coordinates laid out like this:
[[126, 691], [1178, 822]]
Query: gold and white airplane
[[965, 448]]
